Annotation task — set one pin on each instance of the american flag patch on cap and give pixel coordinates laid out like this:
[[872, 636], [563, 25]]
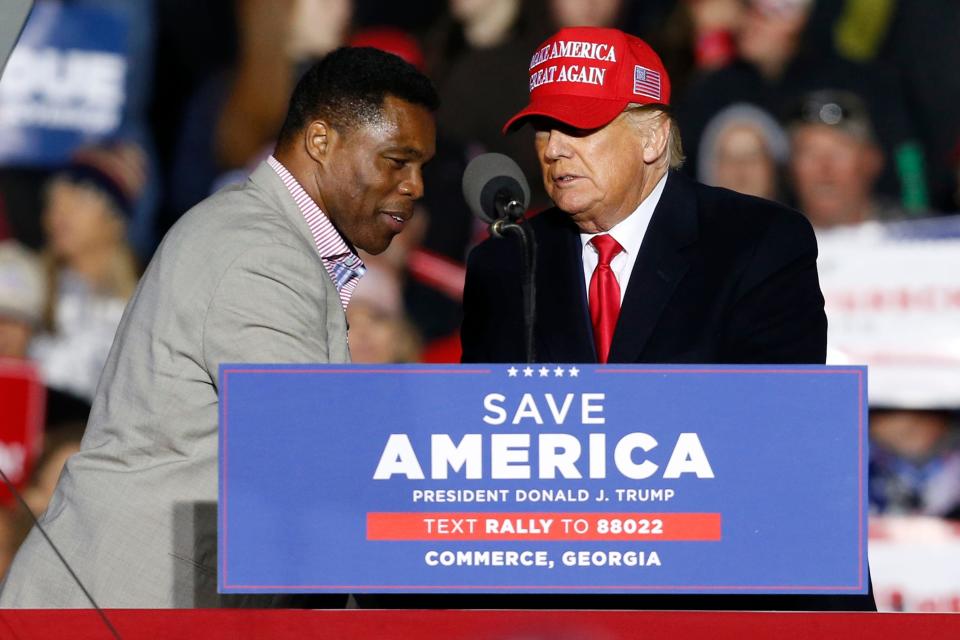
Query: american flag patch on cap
[[646, 82]]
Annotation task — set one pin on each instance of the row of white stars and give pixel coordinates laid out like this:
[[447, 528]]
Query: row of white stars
[[528, 372]]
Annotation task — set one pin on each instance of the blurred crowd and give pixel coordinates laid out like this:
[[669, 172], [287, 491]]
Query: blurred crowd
[[117, 116]]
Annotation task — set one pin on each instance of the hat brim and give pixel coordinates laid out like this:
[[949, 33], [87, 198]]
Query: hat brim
[[579, 112]]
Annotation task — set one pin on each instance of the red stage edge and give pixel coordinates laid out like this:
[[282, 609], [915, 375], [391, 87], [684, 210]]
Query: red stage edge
[[473, 625]]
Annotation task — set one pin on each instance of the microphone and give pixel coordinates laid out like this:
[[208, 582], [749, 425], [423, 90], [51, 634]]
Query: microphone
[[496, 189], [497, 192]]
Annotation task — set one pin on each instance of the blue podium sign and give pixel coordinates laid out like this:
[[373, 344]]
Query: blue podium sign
[[542, 479]]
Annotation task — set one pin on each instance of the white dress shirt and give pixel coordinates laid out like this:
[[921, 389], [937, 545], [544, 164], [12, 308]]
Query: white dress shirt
[[629, 233]]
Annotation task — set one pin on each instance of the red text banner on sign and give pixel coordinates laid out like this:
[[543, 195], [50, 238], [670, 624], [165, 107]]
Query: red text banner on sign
[[543, 526]]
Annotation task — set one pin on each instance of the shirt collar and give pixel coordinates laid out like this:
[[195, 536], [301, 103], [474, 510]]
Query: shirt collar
[[342, 263], [629, 232], [330, 244]]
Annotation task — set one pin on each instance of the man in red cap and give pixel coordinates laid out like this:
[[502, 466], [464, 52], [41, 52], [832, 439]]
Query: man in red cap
[[638, 263]]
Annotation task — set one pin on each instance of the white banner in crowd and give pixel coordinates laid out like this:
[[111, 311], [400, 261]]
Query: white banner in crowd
[[893, 303], [913, 564]]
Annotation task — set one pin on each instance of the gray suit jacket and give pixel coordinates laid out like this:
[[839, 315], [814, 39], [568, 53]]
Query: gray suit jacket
[[238, 279]]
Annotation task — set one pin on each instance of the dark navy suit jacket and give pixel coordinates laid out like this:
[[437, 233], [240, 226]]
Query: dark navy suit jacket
[[720, 278]]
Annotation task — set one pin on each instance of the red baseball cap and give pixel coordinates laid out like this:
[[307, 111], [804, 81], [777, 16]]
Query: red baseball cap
[[585, 76]]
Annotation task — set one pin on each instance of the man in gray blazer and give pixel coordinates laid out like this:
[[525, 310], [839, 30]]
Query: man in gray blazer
[[257, 273]]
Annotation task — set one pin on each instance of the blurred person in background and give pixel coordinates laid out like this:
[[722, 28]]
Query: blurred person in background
[[15, 522], [956, 180], [697, 37], [5, 233], [743, 148], [915, 463], [476, 54], [597, 13], [277, 41], [835, 161], [379, 329], [414, 17], [58, 446], [781, 55], [923, 49], [14, 526], [771, 34], [22, 298], [233, 118], [91, 269]]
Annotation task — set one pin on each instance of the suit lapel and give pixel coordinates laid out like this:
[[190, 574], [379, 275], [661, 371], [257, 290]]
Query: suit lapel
[[660, 266], [267, 180], [564, 333]]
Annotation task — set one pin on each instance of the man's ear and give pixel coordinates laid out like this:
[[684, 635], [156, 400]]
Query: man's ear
[[318, 137], [656, 138]]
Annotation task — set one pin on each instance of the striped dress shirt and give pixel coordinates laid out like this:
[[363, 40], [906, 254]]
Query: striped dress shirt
[[342, 263]]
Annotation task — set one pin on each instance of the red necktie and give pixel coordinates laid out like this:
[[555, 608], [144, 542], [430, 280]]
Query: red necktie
[[604, 296]]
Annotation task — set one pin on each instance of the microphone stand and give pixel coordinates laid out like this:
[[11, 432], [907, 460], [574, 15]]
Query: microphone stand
[[511, 212]]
